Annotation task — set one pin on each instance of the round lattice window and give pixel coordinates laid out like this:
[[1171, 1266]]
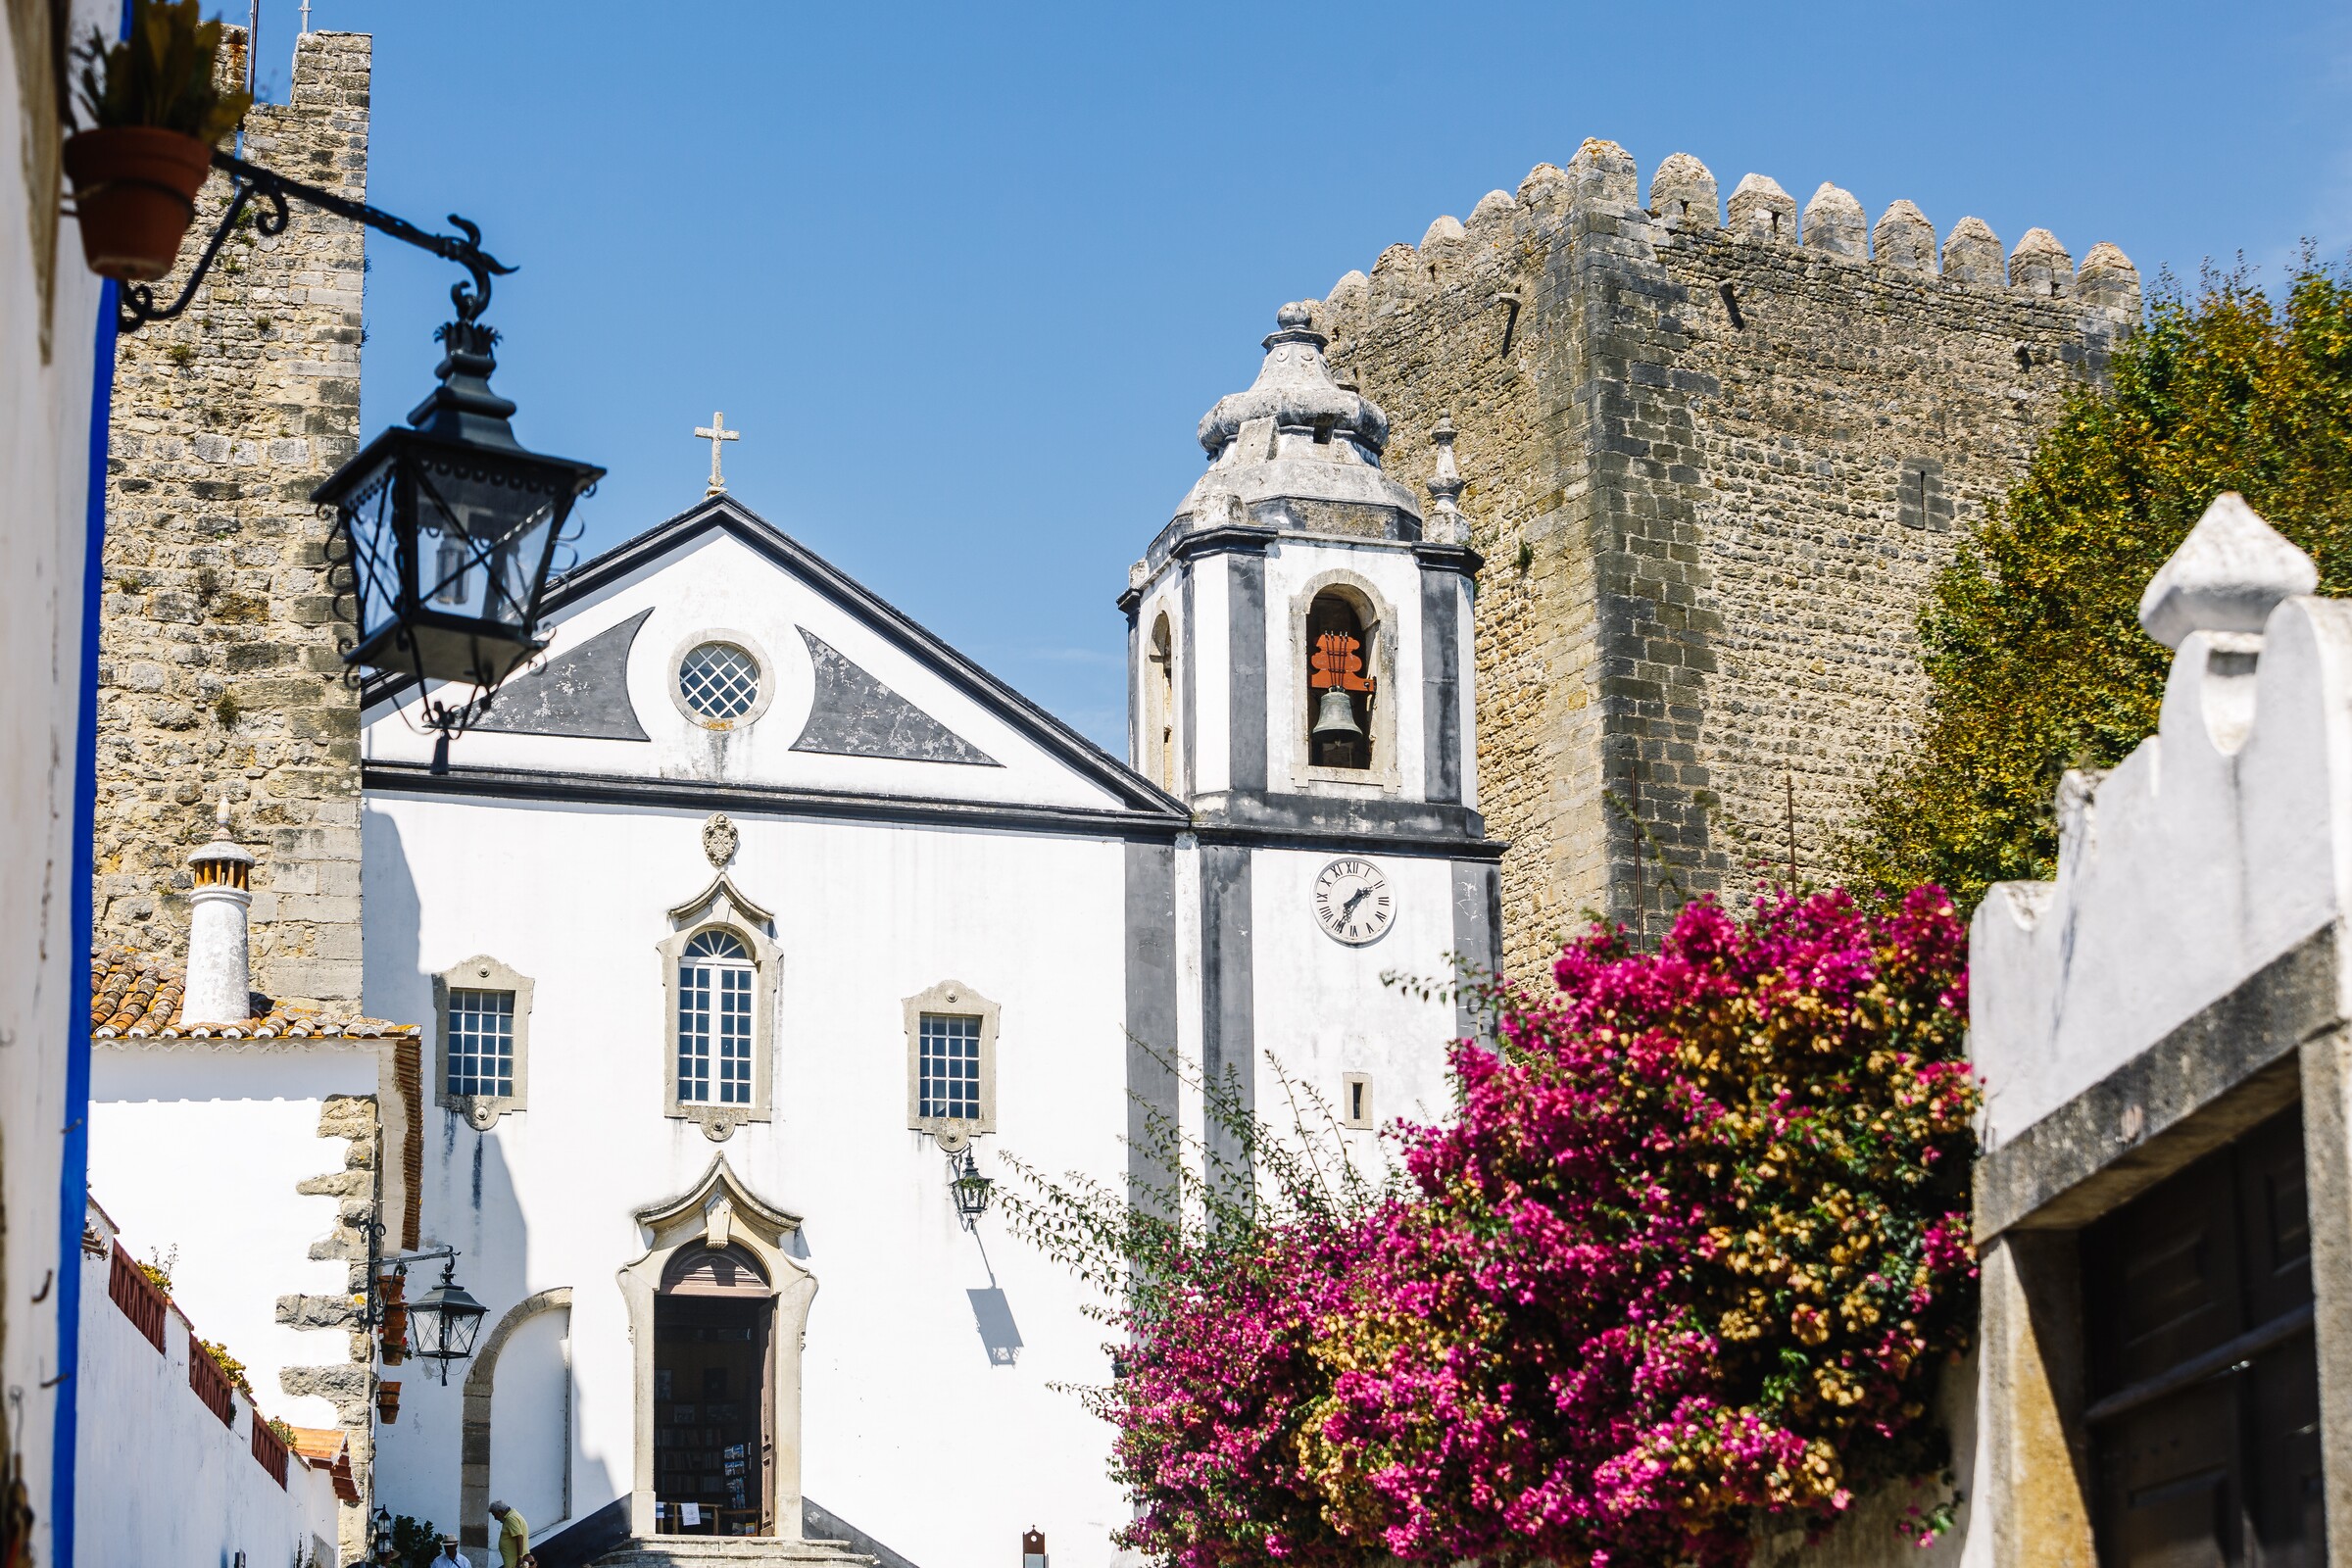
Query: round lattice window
[[719, 682]]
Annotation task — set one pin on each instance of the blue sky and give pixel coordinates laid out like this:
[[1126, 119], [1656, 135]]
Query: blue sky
[[964, 276]]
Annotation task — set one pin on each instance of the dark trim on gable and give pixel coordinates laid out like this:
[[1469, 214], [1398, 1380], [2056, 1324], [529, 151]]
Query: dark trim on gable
[[1450, 558], [1242, 539], [1228, 1000], [1440, 689], [2234, 1064], [1154, 999], [1246, 670], [725, 514], [767, 799]]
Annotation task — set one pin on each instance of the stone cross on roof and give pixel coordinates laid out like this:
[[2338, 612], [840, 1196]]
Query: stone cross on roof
[[715, 432]]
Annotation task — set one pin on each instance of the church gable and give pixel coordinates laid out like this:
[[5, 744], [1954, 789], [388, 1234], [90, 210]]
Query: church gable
[[716, 649]]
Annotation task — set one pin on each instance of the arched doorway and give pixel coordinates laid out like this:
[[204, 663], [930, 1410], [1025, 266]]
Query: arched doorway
[[530, 1317], [713, 1394], [717, 1307]]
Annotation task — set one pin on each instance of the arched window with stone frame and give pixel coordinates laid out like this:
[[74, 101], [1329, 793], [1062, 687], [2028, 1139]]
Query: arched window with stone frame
[[1159, 705], [719, 973]]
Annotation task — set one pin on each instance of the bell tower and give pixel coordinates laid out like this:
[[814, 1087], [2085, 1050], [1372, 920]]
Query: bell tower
[[1301, 678], [1299, 634]]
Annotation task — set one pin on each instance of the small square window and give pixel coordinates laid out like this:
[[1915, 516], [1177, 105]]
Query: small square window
[[481, 1043], [950, 1063], [1355, 1099], [951, 1068]]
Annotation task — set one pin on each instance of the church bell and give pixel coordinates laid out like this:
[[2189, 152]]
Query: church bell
[[1335, 719]]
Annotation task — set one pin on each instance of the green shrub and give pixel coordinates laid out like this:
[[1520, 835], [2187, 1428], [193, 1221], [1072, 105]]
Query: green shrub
[[2035, 657]]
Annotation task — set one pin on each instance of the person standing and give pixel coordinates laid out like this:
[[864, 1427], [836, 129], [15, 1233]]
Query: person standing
[[513, 1537]]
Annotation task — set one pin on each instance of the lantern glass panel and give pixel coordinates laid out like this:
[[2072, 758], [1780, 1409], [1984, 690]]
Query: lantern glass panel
[[376, 575], [481, 534]]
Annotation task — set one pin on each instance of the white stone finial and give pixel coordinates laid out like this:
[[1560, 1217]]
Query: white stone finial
[[2227, 575], [221, 817], [1447, 524], [716, 432]]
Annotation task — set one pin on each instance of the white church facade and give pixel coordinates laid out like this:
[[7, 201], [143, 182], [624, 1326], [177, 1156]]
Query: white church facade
[[756, 914]]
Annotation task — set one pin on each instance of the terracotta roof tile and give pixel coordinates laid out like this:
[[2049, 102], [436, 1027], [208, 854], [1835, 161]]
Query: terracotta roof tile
[[320, 1446], [134, 999]]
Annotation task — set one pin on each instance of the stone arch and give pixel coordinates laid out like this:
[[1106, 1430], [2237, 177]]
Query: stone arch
[[1379, 621], [473, 1448]]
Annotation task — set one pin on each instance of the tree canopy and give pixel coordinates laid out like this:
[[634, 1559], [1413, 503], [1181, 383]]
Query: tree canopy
[[2031, 639]]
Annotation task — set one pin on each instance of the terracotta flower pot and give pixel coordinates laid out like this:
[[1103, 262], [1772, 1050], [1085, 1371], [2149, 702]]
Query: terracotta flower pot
[[387, 1403], [134, 192]]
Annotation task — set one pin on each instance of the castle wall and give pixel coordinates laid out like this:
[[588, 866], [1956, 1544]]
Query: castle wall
[[1707, 540], [218, 668]]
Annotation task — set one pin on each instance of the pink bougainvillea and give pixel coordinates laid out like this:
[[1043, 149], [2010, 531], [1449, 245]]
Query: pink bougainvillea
[[1691, 1252]]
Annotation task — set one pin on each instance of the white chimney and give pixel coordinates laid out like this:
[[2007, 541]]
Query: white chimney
[[219, 988]]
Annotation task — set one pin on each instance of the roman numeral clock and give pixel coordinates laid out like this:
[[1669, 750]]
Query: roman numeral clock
[[1352, 902]]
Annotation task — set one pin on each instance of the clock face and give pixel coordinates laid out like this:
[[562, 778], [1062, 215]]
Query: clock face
[[1353, 902]]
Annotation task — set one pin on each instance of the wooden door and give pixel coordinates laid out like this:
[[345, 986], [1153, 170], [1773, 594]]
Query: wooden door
[[2204, 1389]]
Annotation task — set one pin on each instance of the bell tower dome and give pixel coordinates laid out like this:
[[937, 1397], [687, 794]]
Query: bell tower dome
[[1301, 641]]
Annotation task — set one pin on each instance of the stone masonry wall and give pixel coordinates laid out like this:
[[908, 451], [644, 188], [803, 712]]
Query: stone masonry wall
[[219, 668], [1713, 472]]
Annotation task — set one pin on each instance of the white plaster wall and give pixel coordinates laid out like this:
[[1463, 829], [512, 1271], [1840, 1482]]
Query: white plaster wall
[[1323, 1007], [2198, 860], [1293, 564], [718, 584], [200, 1145], [160, 1480], [899, 1385], [531, 1421], [44, 463]]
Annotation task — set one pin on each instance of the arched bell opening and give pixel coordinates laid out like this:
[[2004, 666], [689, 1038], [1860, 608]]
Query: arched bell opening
[[1341, 686]]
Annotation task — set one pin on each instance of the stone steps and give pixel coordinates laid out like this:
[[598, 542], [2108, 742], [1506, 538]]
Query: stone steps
[[664, 1551]]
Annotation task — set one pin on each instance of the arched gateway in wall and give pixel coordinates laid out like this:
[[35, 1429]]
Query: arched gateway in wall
[[718, 1306]]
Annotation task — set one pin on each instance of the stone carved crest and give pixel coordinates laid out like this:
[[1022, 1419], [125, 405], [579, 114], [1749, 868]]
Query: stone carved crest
[[720, 840]]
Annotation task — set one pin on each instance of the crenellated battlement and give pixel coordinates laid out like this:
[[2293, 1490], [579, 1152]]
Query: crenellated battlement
[[1684, 200], [1716, 444]]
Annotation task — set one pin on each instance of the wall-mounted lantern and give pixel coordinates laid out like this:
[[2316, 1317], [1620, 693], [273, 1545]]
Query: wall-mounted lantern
[[972, 1190], [441, 1324], [445, 532], [443, 1321]]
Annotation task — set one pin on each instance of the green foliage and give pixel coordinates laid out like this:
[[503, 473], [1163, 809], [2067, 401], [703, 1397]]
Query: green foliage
[[2033, 652], [160, 76], [414, 1543], [232, 1369]]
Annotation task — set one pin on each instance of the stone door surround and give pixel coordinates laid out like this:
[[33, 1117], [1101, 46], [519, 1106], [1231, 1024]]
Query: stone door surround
[[718, 1212]]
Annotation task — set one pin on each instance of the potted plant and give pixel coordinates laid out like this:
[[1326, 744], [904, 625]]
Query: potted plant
[[155, 113]]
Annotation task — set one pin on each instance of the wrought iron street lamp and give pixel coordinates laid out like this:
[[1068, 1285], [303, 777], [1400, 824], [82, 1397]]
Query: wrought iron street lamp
[[441, 1324], [443, 1321], [972, 1191], [446, 531]]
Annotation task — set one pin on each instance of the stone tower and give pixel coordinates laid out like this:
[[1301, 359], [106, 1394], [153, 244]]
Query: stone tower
[[218, 670], [1712, 470]]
